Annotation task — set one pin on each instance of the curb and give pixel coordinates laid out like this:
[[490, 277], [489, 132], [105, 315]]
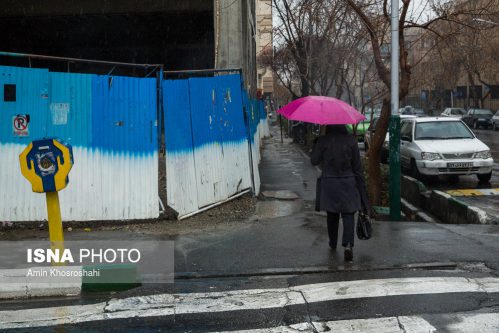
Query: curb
[[443, 206], [17, 284], [414, 213]]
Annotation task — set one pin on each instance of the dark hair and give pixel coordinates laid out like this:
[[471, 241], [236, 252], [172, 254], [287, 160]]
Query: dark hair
[[338, 129]]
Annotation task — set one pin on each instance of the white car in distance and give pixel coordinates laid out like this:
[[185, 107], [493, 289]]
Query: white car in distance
[[433, 146], [457, 113]]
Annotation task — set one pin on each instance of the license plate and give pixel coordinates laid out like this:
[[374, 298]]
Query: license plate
[[460, 165]]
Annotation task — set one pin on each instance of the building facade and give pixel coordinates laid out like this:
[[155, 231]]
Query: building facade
[[264, 40]]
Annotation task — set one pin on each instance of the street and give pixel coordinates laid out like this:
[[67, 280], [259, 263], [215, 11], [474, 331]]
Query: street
[[275, 273]]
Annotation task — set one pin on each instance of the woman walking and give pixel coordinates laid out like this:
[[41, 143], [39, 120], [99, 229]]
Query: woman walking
[[341, 188]]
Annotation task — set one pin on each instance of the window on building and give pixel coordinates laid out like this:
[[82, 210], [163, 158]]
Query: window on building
[[476, 91], [461, 92], [494, 92]]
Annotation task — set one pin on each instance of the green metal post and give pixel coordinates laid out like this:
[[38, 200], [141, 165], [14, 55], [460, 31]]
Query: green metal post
[[395, 167]]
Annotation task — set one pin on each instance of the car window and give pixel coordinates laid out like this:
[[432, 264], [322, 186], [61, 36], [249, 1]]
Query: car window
[[497, 113], [483, 112], [442, 130], [458, 112], [406, 129]]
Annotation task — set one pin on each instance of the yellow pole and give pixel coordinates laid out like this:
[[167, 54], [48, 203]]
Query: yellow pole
[[55, 222]]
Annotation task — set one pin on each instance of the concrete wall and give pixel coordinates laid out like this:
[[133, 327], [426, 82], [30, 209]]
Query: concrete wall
[[264, 42], [235, 31]]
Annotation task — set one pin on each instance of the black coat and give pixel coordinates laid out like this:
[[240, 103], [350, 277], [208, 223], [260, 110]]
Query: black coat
[[342, 180]]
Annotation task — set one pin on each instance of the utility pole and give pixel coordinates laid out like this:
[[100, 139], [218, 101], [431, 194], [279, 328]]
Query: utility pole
[[395, 118]]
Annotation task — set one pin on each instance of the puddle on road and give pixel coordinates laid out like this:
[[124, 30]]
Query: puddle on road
[[277, 208]]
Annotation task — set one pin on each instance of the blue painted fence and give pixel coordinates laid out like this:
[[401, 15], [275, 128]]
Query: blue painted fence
[[111, 123], [210, 130], [212, 135]]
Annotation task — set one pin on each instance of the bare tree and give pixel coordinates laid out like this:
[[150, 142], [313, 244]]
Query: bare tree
[[375, 17], [474, 51], [314, 40]]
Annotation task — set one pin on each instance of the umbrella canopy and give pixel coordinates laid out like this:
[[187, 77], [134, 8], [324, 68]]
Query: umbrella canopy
[[321, 110]]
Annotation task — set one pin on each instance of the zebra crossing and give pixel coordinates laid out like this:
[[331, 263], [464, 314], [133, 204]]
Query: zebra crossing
[[224, 309], [461, 322]]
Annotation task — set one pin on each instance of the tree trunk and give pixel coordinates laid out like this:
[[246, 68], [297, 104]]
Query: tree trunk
[[305, 87], [374, 184], [303, 69], [375, 181]]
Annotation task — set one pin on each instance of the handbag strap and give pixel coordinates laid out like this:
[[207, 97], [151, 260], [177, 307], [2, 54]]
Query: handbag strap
[[363, 195]]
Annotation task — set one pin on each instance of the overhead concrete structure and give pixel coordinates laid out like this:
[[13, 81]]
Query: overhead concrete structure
[[182, 35], [71, 7], [178, 34]]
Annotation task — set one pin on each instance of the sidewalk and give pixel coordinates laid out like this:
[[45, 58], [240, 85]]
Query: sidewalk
[[287, 236]]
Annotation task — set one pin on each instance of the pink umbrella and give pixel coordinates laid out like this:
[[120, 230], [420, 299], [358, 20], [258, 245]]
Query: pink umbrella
[[321, 110]]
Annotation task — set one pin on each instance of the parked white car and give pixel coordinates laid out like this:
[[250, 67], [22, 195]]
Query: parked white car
[[386, 144], [457, 113], [435, 146]]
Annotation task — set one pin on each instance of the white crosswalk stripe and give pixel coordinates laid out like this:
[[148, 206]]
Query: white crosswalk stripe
[[252, 299], [460, 322]]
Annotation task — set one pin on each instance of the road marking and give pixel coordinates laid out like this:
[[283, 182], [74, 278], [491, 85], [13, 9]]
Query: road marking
[[455, 322], [237, 300], [473, 192]]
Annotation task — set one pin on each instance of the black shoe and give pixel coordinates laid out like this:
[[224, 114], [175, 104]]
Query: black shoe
[[332, 246], [348, 253]]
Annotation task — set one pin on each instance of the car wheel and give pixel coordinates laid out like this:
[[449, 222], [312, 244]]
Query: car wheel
[[414, 170], [484, 177], [475, 124], [494, 127]]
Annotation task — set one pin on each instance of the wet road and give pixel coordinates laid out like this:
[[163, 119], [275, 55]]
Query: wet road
[[491, 139]]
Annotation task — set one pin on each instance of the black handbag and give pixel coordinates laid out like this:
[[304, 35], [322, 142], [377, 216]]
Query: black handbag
[[364, 226], [318, 194]]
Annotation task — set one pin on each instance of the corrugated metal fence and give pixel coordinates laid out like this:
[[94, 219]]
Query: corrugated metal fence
[[209, 143], [212, 135], [111, 123]]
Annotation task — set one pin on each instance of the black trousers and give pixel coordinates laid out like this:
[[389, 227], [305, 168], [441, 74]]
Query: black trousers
[[348, 228]]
